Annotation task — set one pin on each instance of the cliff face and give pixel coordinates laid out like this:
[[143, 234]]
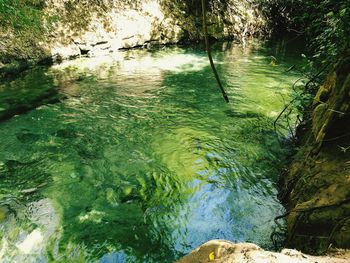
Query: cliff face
[[92, 27], [317, 188]]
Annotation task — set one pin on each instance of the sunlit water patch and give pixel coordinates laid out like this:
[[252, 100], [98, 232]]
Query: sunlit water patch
[[143, 161]]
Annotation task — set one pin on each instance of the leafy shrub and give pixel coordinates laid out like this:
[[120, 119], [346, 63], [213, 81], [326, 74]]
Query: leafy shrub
[[324, 23], [328, 27], [21, 15]]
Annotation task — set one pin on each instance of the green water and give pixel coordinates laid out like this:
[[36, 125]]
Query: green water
[[141, 160]]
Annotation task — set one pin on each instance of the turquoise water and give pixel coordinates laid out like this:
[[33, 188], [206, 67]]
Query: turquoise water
[[141, 160]]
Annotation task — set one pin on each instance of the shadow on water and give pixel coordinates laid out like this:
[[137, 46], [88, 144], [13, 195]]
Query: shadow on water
[[31, 89], [144, 161]]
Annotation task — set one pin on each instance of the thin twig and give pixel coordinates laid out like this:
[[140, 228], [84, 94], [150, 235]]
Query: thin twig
[[312, 79], [317, 75], [281, 113]]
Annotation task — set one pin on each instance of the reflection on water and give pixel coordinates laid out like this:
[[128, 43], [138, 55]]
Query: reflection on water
[[144, 161]]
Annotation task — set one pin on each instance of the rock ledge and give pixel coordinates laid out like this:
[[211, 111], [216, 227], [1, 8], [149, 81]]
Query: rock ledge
[[227, 252]]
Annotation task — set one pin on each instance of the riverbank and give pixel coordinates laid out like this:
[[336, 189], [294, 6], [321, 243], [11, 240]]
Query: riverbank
[[100, 29], [95, 28], [316, 187]]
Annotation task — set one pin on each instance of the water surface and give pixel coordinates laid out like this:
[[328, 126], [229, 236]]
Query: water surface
[[142, 160]]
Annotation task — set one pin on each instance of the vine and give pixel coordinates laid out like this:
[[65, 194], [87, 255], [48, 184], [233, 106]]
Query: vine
[[207, 46]]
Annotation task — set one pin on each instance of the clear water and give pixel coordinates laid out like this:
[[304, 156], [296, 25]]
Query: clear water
[[143, 160]]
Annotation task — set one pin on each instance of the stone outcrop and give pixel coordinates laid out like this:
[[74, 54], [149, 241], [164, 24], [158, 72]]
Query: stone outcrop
[[316, 189], [98, 27], [222, 251]]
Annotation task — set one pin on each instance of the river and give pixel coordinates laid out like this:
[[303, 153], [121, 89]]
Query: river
[[138, 158]]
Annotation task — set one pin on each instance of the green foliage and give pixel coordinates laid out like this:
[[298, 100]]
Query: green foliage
[[23, 25], [324, 23], [301, 99], [21, 15], [281, 14], [327, 25]]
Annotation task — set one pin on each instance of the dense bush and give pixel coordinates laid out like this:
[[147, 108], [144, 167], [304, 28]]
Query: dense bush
[[21, 15], [23, 25], [324, 23], [327, 24]]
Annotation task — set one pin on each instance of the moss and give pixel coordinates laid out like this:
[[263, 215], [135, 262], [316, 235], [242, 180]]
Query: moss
[[324, 91], [342, 236], [318, 180], [317, 119]]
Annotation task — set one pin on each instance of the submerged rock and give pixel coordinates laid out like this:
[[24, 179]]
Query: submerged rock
[[21, 243], [222, 251]]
